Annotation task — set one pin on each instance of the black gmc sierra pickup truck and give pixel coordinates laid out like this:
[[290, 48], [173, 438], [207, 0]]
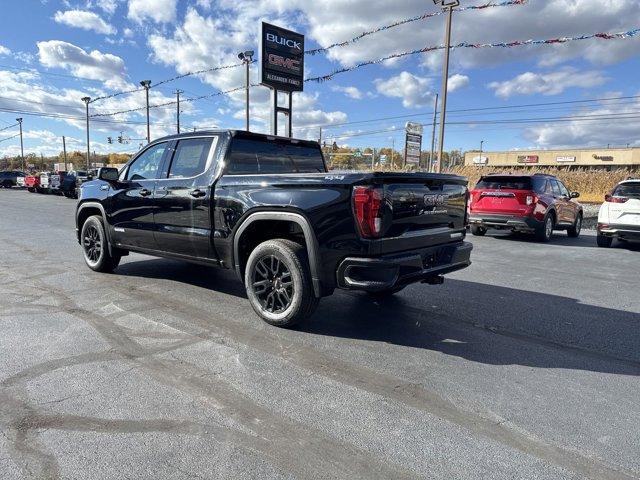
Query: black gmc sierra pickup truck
[[266, 207]]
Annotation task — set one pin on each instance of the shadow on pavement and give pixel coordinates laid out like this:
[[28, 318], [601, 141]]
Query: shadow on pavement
[[519, 327], [560, 239]]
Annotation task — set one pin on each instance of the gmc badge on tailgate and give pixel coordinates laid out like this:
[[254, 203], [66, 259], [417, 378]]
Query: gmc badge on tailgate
[[436, 200]]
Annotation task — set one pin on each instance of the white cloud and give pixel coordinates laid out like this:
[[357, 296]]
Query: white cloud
[[84, 20], [620, 128], [456, 82], [414, 91], [95, 64], [4, 50], [351, 92], [109, 6], [551, 83], [160, 11]]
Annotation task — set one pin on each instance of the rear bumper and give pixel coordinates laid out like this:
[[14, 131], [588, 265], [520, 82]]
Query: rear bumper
[[626, 232], [511, 222], [390, 271]]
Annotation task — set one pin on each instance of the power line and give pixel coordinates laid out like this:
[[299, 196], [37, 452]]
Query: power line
[[9, 138], [10, 126]]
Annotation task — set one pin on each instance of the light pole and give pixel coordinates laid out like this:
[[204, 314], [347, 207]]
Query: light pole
[[19, 120], [178, 92], [147, 85], [481, 143], [449, 6], [86, 101], [247, 58], [433, 134]]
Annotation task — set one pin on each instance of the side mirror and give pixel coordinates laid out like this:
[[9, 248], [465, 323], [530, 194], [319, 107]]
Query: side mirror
[[108, 174], [607, 197], [575, 194]]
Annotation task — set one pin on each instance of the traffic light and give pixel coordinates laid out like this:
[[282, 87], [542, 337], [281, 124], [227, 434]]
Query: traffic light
[[119, 138], [109, 140]]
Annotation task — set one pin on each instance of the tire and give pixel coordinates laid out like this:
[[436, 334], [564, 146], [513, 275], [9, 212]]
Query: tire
[[278, 301], [478, 231], [95, 246], [574, 230], [604, 242], [31, 189], [545, 232]]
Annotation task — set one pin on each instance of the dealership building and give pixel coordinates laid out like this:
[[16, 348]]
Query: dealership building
[[603, 158]]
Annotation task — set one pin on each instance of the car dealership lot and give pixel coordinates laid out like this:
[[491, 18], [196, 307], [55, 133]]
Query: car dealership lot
[[525, 365]]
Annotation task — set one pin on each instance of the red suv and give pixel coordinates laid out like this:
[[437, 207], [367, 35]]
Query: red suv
[[537, 204]]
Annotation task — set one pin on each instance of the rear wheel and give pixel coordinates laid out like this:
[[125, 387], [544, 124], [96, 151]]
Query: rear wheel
[[544, 233], [604, 241], [278, 283], [478, 231], [31, 189], [95, 246], [574, 231]]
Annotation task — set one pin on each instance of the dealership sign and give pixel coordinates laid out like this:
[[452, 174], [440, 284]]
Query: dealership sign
[[565, 159], [527, 158], [413, 143], [282, 58], [480, 160], [604, 158]]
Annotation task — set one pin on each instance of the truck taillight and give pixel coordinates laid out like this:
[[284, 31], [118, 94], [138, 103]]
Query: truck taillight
[[367, 207]]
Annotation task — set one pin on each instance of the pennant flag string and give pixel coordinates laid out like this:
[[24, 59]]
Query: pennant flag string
[[517, 43], [173, 79], [424, 16]]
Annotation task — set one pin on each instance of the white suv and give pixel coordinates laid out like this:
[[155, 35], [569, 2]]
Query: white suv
[[619, 215]]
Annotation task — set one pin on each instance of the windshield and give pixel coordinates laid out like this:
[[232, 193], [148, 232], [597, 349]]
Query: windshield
[[507, 182], [255, 155]]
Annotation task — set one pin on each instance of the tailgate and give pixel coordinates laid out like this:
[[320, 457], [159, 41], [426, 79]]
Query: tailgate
[[627, 213], [423, 210], [508, 202]]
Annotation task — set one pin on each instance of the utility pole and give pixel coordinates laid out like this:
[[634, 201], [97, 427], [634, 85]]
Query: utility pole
[[19, 120], [433, 134], [147, 85], [64, 151], [178, 92], [86, 101], [481, 142], [247, 59], [320, 137], [393, 150], [445, 75]]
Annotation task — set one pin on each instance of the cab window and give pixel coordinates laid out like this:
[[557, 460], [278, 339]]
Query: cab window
[[555, 187], [147, 165], [190, 157], [563, 190]]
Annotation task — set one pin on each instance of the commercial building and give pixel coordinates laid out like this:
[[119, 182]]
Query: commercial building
[[601, 158]]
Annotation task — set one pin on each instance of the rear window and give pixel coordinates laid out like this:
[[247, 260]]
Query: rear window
[[507, 182], [629, 190], [250, 156]]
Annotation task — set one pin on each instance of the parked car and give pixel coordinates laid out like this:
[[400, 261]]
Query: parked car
[[9, 178], [619, 215], [537, 204], [55, 182], [267, 208], [32, 182]]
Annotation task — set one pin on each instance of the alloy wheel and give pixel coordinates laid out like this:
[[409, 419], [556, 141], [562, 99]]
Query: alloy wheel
[[272, 284], [92, 244]]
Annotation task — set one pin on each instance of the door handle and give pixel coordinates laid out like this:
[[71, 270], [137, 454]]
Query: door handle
[[145, 192], [197, 193]]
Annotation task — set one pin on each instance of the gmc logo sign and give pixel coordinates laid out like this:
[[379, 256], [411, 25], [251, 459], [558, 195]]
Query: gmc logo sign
[[287, 63]]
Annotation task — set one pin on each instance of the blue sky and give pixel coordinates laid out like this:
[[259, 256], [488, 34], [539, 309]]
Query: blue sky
[[54, 52]]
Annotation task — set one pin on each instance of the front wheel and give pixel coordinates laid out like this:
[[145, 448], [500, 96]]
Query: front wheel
[[603, 241], [574, 230], [278, 283], [95, 246]]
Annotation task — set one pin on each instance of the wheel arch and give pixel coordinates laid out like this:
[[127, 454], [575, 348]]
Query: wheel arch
[[86, 210], [297, 219]]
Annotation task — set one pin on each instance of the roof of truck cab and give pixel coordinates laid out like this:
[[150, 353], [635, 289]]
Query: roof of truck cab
[[236, 133]]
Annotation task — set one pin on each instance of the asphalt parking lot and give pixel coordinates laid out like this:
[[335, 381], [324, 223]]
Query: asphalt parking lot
[[524, 366]]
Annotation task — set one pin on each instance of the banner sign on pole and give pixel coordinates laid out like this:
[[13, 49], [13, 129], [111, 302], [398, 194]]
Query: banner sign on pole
[[413, 143], [281, 58]]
